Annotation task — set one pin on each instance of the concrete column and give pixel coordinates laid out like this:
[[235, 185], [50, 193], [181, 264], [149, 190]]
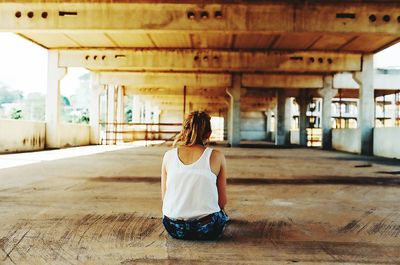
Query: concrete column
[[268, 125], [120, 112], [136, 108], [94, 109], [111, 114], [226, 124], [366, 109], [303, 101], [53, 100], [283, 118], [327, 93], [234, 110], [392, 110]]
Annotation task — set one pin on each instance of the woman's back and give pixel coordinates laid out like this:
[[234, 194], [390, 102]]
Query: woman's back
[[193, 183], [191, 190]]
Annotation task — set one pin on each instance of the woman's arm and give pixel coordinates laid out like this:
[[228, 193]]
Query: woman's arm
[[163, 176], [221, 181]]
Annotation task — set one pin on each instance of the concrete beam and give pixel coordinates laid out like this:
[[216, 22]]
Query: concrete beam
[[166, 80], [262, 17], [380, 82], [210, 60], [173, 99], [177, 91], [282, 81]]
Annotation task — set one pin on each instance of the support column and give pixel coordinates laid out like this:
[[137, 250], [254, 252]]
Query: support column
[[94, 109], [327, 93], [120, 112], [234, 110], [268, 125], [111, 115], [366, 109], [136, 109], [303, 101], [53, 100], [283, 118]]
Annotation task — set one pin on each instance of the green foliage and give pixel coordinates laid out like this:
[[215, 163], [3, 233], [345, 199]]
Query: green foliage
[[65, 101], [9, 96], [84, 118], [16, 114]]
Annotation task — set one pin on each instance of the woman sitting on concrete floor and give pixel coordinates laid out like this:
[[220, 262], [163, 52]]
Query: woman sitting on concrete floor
[[193, 183]]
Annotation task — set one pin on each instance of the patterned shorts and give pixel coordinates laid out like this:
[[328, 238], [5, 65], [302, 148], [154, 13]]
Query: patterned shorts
[[195, 229]]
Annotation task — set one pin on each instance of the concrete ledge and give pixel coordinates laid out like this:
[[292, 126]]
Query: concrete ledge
[[22, 136], [386, 142], [348, 140], [294, 137], [74, 134]]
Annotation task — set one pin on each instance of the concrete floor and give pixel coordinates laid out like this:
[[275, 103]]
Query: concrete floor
[[287, 206]]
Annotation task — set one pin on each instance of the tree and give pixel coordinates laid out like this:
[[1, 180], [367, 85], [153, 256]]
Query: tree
[[8, 95], [16, 114]]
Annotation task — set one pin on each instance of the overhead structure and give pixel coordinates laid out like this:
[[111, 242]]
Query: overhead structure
[[234, 57]]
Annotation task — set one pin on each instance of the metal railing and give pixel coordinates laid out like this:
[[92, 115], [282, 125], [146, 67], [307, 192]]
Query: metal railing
[[113, 133]]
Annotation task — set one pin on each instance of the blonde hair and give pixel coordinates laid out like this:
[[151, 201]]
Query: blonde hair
[[196, 129]]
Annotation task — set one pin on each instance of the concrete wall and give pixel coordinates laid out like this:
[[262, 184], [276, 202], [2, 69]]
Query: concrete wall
[[74, 134], [348, 140], [21, 136], [294, 136], [252, 126], [386, 142]]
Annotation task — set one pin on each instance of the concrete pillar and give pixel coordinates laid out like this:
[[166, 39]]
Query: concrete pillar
[[366, 109], [327, 93], [268, 125], [303, 101], [136, 108], [226, 125], [120, 112], [111, 114], [234, 110], [94, 109], [53, 100], [392, 110], [283, 118]]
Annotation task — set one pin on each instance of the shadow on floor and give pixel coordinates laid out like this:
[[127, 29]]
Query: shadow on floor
[[325, 180]]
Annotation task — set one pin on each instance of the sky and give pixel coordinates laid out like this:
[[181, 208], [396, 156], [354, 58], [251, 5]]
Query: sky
[[23, 65]]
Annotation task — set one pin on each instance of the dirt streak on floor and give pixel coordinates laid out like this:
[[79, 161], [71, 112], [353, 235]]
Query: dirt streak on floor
[[287, 206]]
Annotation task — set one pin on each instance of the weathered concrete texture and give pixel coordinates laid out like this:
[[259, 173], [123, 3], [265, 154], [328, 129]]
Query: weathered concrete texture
[[295, 137], [26, 136], [21, 136], [386, 142], [74, 134], [286, 205], [252, 125], [347, 140]]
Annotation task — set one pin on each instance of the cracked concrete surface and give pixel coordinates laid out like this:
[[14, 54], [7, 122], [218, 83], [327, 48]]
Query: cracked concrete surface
[[287, 206]]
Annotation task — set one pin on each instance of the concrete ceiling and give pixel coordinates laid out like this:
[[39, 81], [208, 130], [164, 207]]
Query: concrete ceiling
[[308, 36], [363, 43]]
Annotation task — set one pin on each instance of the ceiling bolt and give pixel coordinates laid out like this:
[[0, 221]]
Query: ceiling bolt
[[372, 18], [204, 15], [191, 15]]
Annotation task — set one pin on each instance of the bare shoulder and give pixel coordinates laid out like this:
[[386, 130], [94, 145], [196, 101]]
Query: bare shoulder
[[217, 156]]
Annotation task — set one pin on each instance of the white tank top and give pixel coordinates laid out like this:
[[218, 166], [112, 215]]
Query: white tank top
[[191, 190]]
